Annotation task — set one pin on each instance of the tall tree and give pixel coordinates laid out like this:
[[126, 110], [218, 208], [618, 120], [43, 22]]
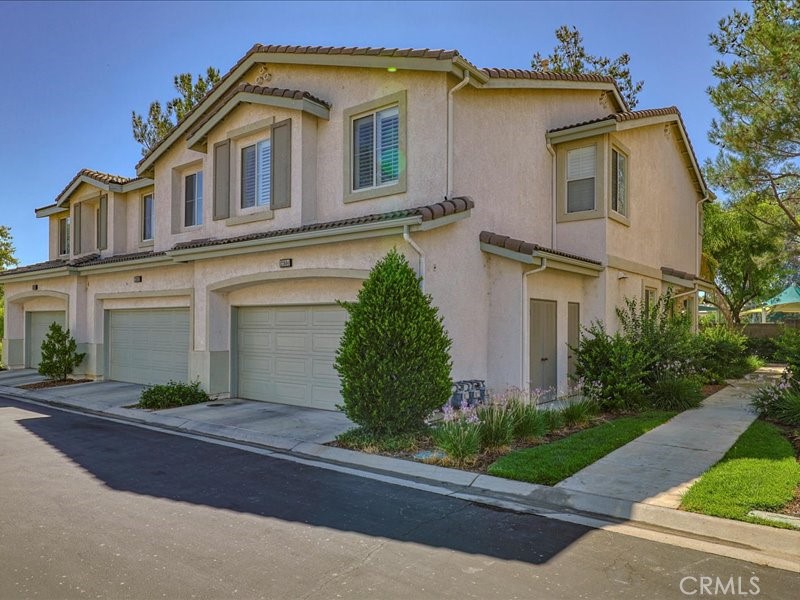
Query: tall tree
[[7, 259], [757, 96], [160, 121], [570, 56], [745, 255]]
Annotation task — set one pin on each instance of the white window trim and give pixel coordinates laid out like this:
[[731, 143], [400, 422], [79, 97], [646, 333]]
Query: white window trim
[[143, 241], [67, 238], [362, 110], [623, 218], [256, 208], [600, 175], [197, 223]]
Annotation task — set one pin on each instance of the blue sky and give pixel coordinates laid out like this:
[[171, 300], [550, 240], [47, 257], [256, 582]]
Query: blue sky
[[72, 72]]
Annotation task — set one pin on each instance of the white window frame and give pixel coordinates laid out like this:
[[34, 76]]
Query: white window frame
[[373, 117], [197, 200], [144, 217], [583, 177], [64, 246], [257, 204]]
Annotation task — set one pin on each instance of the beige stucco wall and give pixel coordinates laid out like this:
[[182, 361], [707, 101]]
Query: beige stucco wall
[[662, 200]]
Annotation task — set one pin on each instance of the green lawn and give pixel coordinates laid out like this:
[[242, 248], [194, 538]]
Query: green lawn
[[760, 472], [550, 463]]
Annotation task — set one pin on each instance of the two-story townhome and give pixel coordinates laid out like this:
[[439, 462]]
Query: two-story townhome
[[530, 203]]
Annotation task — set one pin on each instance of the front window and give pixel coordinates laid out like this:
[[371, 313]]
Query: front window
[[63, 236], [376, 149], [649, 297], [581, 166], [147, 218], [619, 181], [193, 199], [256, 174]]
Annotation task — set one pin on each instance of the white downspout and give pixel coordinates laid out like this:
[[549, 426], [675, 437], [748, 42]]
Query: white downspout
[[554, 206], [450, 94], [525, 354], [415, 246]]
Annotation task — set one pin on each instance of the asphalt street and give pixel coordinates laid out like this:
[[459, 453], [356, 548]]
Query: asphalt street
[[96, 509]]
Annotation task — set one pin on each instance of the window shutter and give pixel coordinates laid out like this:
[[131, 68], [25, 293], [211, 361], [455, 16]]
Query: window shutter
[[76, 237], [248, 177], [363, 152], [388, 145], [222, 180], [264, 151], [281, 188], [102, 223]]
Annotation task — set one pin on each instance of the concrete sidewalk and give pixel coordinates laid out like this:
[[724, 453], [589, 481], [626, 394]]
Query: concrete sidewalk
[[658, 467]]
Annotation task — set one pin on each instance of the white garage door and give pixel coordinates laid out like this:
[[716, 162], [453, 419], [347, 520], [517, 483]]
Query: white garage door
[[38, 326], [285, 354], [148, 346]]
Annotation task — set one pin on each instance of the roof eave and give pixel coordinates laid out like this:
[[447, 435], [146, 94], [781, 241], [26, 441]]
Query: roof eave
[[540, 257], [47, 211], [196, 140], [558, 84]]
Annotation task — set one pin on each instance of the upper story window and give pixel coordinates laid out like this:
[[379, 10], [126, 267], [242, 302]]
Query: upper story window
[[375, 148], [619, 182], [63, 236], [581, 171], [650, 297], [147, 218], [256, 185], [193, 199]]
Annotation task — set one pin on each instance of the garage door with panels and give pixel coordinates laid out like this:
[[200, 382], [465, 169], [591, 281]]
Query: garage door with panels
[[285, 354], [37, 326], [148, 346]]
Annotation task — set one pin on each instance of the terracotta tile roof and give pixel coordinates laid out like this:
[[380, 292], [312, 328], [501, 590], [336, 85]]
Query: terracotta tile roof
[[676, 273], [515, 245], [106, 178], [630, 115], [84, 261], [42, 266], [359, 51], [254, 89], [500, 73], [428, 213]]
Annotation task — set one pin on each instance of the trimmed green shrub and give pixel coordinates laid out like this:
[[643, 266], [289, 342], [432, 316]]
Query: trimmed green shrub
[[496, 426], [393, 359], [764, 348], [722, 354], [359, 438], [676, 392], [460, 440], [611, 369], [788, 344], [530, 423], [172, 394], [59, 353]]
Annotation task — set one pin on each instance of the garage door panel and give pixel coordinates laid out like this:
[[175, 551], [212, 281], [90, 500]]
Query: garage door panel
[[149, 346], [38, 327], [297, 367], [291, 342]]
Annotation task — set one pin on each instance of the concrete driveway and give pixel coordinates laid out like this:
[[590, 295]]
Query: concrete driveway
[[248, 418]]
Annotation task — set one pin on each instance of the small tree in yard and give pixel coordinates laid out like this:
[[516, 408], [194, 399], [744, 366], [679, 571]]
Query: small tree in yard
[[394, 357], [59, 356]]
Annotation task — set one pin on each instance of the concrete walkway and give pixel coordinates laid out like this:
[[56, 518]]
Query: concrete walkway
[[658, 467]]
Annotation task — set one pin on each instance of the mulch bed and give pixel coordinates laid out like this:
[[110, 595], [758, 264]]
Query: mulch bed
[[793, 435], [486, 458], [51, 383]]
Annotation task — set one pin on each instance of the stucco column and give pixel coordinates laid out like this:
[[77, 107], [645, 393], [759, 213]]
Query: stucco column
[[13, 335], [77, 322]]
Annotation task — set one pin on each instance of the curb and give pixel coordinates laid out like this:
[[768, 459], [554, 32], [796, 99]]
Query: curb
[[782, 544]]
